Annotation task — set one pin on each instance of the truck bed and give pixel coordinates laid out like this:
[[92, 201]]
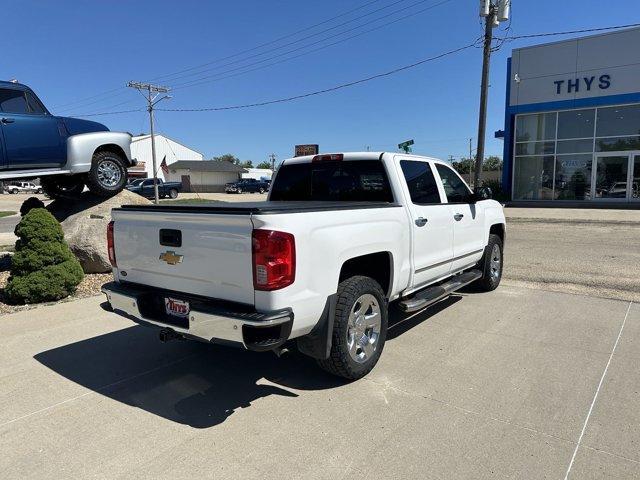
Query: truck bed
[[255, 208]]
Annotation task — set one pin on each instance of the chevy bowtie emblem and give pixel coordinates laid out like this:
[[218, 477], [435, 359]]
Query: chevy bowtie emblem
[[171, 257]]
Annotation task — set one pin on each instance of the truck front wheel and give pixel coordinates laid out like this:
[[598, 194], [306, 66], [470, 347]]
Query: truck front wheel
[[108, 174], [491, 265], [67, 186], [173, 193], [359, 328]]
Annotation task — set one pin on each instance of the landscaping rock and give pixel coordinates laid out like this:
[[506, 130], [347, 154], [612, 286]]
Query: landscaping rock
[[84, 222]]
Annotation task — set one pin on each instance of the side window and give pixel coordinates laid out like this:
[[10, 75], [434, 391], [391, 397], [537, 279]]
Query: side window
[[456, 190], [13, 101], [421, 182], [34, 104]]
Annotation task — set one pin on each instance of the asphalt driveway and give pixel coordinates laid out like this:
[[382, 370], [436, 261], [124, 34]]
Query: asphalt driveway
[[499, 385]]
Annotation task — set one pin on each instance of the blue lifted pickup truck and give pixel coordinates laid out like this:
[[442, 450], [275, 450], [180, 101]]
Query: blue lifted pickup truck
[[65, 153]]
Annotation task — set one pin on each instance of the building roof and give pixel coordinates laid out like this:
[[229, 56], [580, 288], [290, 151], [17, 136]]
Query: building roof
[[206, 166], [145, 136]]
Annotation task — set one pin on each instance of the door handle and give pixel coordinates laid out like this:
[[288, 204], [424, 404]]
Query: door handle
[[7, 120], [421, 222], [458, 216]]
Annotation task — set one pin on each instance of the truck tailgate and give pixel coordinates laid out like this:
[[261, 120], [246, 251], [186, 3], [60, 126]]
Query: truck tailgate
[[212, 257]]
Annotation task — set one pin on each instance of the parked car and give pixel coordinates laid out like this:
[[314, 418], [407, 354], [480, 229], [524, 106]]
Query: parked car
[[340, 238], [247, 185], [65, 153], [144, 187], [23, 187]]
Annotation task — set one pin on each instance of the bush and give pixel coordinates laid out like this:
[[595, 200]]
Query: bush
[[43, 267]]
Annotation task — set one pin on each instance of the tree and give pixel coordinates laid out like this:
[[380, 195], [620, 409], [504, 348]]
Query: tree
[[466, 165], [227, 157], [492, 164], [43, 267], [264, 164], [246, 164]]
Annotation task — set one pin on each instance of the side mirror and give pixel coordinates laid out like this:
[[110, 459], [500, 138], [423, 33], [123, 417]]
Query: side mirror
[[483, 193]]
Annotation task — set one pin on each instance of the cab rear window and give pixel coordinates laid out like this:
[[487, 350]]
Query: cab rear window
[[351, 181]]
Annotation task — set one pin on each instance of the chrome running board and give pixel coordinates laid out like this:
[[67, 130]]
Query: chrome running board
[[430, 295]]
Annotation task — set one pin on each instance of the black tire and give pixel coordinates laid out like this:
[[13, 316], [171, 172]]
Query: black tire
[[261, 190], [490, 277], [13, 191], [239, 190], [340, 361], [63, 186], [173, 193], [39, 191], [111, 180]]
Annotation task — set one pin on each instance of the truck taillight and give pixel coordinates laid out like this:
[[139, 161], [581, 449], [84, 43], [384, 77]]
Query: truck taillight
[[111, 248], [274, 259]]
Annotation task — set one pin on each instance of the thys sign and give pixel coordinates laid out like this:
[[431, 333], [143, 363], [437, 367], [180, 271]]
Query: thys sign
[[583, 84]]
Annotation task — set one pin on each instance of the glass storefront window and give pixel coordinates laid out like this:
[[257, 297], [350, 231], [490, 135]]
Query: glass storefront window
[[539, 126], [573, 177], [533, 178], [576, 123], [575, 146], [618, 121], [535, 148], [617, 144]]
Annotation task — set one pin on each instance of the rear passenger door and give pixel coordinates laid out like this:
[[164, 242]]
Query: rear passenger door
[[467, 219], [431, 224]]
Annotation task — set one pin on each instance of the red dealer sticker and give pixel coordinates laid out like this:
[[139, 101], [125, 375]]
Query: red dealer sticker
[[178, 308]]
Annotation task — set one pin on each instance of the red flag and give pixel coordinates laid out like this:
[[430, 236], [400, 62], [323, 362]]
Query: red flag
[[164, 166]]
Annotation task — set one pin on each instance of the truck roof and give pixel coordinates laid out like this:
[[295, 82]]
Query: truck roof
[[360, 156], [14, 85]]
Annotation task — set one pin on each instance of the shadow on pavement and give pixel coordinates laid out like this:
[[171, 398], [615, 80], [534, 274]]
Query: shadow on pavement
[[195, 384]]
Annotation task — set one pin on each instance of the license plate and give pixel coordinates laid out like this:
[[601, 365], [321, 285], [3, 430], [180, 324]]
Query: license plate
[[175, 307]]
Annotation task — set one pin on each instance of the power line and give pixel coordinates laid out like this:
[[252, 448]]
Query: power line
[[570, 32], [315, 35], [303, 30], [223, 75], [325, 90]]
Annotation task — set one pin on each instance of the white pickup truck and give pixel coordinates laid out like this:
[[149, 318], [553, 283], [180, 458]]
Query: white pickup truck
[[340, 237]]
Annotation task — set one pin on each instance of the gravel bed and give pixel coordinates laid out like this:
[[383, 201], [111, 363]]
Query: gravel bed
[[89, 287]]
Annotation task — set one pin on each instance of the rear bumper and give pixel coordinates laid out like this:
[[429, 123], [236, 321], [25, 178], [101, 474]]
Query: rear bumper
[[209, 320]]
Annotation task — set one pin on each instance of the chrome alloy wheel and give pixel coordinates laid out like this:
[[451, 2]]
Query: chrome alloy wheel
[[109, 173], [363, 329], [496, 262]]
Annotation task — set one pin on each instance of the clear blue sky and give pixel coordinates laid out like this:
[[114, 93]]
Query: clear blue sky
[[67, 51]]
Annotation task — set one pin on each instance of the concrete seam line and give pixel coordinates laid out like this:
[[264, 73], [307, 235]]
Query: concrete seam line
[[595, 397], [97, 390]]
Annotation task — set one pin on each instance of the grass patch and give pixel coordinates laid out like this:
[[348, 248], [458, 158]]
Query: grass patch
[[7, 214], [189, 201]]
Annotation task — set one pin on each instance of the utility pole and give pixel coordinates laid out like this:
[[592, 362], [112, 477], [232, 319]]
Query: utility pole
[[150, 93], [470, 159], [493, 11], [272, 157], [451, 158]]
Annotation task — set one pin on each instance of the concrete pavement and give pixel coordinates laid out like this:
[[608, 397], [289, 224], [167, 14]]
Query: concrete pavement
[[494, 385]]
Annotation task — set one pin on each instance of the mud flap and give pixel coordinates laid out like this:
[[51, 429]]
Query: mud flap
[[317, 343]]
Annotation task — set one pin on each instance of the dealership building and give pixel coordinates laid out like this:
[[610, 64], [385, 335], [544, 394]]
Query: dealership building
[[572, 120]]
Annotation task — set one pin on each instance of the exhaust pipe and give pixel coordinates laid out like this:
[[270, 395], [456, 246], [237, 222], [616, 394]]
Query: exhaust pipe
[[166, 335]]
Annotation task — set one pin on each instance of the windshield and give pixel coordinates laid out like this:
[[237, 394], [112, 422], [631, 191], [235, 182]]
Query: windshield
[[355, 181]]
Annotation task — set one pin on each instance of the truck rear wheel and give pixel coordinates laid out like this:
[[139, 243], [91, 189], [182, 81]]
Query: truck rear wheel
[[359, 328], [63, 186], [491, 265], [108, 174]]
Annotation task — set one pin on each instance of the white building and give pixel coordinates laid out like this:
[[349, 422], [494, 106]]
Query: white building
[[258, 173], [207, 176], [165, 148]]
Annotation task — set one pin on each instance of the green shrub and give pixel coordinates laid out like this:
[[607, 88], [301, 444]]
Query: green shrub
[[496, 189], [43, 267]]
